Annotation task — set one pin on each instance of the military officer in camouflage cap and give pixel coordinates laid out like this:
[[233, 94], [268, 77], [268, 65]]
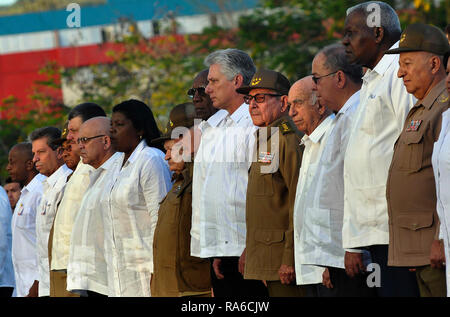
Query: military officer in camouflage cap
[[176, 272], [272, 182], [411, 193]]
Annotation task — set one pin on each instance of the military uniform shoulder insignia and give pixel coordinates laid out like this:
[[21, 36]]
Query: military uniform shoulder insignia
[[443, 98], [285, 127]]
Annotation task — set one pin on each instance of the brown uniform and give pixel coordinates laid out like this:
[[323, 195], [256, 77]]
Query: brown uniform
[[176, 272], [411, 192], [270, 203]]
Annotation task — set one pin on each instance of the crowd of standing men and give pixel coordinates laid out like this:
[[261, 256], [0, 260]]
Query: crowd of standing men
[[336, 185]]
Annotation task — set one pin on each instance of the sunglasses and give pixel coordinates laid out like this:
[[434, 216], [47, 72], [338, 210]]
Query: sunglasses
[[200, 90], [316, 79], [259, 98]]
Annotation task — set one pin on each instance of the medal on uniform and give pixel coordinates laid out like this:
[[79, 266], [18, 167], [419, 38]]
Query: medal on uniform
[[414, 125], [265, 157], [20, 212]]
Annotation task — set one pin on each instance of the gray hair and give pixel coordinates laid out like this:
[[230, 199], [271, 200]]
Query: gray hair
[[233, 62], [336, 59], [387, 16]]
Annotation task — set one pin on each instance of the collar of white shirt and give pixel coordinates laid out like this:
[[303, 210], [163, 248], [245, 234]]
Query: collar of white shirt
[[318, 132], [216, 118], [110, 162], [384, 64], [63, 170], [240, 113], [34, 184], [139, 148], [349, 103]]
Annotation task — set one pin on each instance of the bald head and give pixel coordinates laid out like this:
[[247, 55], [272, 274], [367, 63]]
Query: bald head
[[305, 111], [98, 125], [95, 142]]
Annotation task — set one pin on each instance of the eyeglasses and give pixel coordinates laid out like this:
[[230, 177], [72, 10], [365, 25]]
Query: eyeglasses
[[85, 140], [259, 98], [316, 79], [200, 90]]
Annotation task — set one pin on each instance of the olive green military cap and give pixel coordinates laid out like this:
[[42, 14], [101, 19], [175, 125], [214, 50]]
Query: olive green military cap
[[181, 115], [63, 137], [422, 37], [267, 79]]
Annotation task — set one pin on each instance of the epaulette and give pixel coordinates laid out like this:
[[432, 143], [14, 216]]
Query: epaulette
[[286, 127]]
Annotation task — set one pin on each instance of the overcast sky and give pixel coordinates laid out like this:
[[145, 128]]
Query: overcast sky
[[6, 2]]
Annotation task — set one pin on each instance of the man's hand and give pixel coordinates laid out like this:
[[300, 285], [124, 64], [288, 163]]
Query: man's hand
[[34, 290], [242, 263], [437, 255], [353, 263], [216, 267], [286, 273], [326, 279]]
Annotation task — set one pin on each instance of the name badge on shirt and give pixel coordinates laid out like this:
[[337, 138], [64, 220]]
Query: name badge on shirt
[[414, 125], [265, 157]]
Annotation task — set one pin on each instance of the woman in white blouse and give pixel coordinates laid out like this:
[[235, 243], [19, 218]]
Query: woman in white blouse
[[441, 168], [143, 182]]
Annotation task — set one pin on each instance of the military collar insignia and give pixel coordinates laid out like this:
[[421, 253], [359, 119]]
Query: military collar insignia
[[285, 127], [443, 98]]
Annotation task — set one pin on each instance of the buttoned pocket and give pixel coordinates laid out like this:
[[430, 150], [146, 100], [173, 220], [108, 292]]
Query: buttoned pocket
[[415, 232], [317, 225], [138, 254], [269, 249], [411, 152]]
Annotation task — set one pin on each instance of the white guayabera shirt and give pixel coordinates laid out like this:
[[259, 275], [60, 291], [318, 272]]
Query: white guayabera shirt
[[219, 186], [65, 216], [441, 169], [53, 192], [324, 197], [378, 121], [6, 266], [141, 185], [87, 268], [314, 144], [24, 253]]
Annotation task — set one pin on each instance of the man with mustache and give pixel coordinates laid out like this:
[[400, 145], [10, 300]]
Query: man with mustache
[[48, 161]]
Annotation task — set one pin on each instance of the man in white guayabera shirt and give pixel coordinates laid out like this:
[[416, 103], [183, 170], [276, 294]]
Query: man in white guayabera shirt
[[337, 84], [221, 175], [370, 29], [24, 255], [47, 157], [70, 203], [315, 121], [87, 270], [6, 266]]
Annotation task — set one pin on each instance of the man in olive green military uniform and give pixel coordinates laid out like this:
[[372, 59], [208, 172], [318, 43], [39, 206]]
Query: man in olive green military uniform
[[176, 272], [272, 182], [411, 193]]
